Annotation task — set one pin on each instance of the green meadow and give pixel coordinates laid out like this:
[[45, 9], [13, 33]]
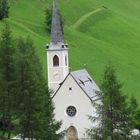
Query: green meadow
[[97, 31]]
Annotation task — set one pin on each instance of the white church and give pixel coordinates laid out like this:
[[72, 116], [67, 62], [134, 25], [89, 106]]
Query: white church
[[74, 92]]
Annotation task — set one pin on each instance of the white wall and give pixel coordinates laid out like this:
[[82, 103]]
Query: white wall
[[57, 74], [77, 98]]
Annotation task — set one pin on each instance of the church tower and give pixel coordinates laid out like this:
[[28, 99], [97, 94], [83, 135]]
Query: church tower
[[57, 53]]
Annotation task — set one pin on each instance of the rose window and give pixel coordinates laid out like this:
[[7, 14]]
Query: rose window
[[71, 111]]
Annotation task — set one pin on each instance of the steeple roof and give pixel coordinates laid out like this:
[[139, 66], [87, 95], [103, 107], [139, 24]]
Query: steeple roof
[[56, 31]]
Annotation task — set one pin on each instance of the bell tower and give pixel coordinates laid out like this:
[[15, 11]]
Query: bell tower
[[57, 53]]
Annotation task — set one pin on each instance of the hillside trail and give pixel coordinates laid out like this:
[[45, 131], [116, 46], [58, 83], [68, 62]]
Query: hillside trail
[[84, 17], [22, 26]]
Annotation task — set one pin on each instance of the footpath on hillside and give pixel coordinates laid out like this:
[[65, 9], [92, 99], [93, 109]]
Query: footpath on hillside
[[84, 17]]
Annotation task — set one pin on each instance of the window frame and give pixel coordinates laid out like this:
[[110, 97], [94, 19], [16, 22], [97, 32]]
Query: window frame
[[55, 61]]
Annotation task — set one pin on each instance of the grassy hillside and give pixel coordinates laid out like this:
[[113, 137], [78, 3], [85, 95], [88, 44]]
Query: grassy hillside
[[97, 31]]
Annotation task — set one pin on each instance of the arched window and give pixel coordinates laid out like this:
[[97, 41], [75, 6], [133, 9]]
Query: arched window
[[55, 61]]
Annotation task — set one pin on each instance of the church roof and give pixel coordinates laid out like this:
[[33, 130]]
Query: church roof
[[56, 31], [88, 85], [85, 82]]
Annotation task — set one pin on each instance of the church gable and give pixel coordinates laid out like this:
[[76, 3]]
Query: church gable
[[70, 88], [80, 79], [73, 106]]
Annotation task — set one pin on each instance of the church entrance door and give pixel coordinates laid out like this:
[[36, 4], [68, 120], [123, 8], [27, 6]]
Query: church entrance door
[[72, 133]]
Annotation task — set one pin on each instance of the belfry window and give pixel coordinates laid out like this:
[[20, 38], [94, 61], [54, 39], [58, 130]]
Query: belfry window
[[66, 60], [55, 61]]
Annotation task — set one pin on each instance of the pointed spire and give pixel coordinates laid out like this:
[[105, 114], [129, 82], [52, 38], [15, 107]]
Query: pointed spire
[[56, 31]]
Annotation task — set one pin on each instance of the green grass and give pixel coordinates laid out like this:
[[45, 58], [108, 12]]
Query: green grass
[[95, 35]]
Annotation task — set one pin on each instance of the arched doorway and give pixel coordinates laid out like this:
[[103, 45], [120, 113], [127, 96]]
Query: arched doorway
[[72, 133]]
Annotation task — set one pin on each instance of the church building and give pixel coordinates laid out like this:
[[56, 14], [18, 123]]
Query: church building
[[74, 92]]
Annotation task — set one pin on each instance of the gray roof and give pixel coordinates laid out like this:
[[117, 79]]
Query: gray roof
[[88, 85], [56, 31]]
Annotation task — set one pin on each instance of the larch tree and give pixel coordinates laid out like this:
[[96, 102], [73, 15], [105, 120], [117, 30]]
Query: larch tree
[[113, 110], [48, 20], [7, 81], [35, 108], [134, 117], [29, 90], [49, 122]]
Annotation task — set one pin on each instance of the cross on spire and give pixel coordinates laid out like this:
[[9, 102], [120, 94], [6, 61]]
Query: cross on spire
[[56, 31]]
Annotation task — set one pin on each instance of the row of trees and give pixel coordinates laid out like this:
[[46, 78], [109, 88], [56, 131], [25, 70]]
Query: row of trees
[[116, 115], [25, 103], [4, 13]]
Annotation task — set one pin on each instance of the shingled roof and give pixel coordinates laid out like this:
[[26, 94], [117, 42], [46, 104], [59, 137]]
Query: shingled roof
[[56, 31], [84, 80]]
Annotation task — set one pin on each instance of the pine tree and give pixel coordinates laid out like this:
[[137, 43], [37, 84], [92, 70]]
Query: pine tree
[[48, 20], [7, 80], [113, 110], [133, 110], [137, 119], [134, 115], [35, 109], [115, 107], [29, 85], [48, 120], [4, 9]]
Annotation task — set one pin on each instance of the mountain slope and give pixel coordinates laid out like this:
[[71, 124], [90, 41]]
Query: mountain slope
[[97, 31]]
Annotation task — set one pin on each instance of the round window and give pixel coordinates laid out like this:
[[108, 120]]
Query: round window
[[71, 111]]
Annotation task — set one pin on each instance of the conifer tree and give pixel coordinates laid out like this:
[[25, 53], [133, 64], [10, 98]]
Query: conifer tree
[[134, 115], [7, 80], [35, 109], [137, 119], [29, 93], [48, 120], [4, 9], [48, 20], [113, 110], [133, 110]]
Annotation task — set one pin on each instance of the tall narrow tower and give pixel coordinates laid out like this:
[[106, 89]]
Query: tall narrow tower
[[57, 53]]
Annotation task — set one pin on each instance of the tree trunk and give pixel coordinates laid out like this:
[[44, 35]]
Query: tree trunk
[[9, 131], [23, 137], [112, 137], [9, 116], [3, 120]]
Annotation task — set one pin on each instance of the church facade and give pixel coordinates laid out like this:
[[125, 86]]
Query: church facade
[[73, 92]]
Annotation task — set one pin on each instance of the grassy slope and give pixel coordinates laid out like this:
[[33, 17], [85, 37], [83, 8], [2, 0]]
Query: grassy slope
[[95, 34]]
